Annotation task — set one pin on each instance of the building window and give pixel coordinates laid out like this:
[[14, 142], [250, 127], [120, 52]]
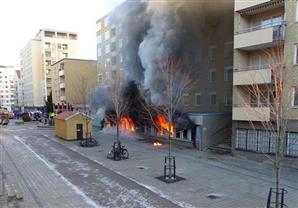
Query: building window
[[113, 32], [121, 43], [120, 58], [99, 39], [64, 55], [198, 56], [292, 144], [114, 60], [228, 50], [107, 35], [113, 46], [59, 45], [48, 63], [228, 99], [212, 75], [186, 99], [185, 134], [99, 52], [99, 26], [64, 46], [108, 62], [48, 53], [107, 48], [228, 74], [211, 53], [213, 98], [198, 98], [48, 45], [295, 97]]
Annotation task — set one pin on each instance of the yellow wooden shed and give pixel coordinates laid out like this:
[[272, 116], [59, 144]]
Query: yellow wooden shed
[[72, 125]]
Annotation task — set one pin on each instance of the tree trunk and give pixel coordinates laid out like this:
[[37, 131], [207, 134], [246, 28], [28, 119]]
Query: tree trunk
[[277, 167], [117, 125], [169, 154]]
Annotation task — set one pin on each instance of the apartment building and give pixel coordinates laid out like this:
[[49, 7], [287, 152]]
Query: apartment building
[[109, 50], [72, 81], [7, 87], [210, 56], [47, 47], [261, 26], [18, 89]]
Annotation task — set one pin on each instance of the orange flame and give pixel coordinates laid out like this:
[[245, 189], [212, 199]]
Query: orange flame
[[156, 143], [164, 124], [127, 123]]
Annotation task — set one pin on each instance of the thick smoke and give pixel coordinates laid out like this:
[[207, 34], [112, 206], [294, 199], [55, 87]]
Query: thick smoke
[[154, 30], [162, 41]]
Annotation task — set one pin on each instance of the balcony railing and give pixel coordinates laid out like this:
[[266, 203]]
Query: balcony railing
[[258, 67], [253, 105], [277, 25]]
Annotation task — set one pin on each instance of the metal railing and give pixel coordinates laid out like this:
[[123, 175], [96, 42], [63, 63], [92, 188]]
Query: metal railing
[[252, 105], [272, 195], [260, 27], [257, 67]]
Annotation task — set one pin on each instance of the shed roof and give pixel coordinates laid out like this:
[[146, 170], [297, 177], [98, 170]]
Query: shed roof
[[68, 114]]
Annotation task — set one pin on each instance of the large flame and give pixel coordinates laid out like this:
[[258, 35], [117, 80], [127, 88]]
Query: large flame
[[164, 124], [127, 123]]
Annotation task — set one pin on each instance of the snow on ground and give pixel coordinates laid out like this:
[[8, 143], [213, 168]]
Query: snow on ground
[[52, 167]]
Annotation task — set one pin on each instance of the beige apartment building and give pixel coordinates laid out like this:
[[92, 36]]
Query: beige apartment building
[[46, 48], [210, 56], [259, 27], [72, 81]]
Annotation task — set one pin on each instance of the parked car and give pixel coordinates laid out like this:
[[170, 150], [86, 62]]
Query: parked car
[[4, 119], [26, 117], [37, 116]]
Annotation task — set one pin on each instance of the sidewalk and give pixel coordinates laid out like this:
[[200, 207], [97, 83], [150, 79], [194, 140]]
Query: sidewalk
[[236, 182], [34, 181]]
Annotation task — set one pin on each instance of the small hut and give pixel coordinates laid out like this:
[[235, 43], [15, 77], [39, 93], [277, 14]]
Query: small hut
[[71, 125]]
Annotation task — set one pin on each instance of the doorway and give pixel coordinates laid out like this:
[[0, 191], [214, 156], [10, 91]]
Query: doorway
[[79, 131]]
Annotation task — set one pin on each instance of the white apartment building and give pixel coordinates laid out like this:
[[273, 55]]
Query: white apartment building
[[46, 48], [7, 87]]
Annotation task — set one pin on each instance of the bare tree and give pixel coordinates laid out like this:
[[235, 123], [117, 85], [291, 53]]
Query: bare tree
[[178, 82], [78, 97], [120, 104], [270, 88]]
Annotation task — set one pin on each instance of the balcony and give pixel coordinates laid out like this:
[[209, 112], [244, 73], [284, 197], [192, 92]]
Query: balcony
[[259, 37], [62, 85], [62, 98], [252, 7], [253, 75], [61, 73], [260, 112]]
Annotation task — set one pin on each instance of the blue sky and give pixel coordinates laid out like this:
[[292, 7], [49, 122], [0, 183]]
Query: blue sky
[[20, 20]]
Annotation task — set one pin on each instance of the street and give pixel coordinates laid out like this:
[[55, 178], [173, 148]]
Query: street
[[51, 172]]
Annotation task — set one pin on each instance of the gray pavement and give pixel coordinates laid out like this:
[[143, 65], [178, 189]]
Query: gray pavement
[[34, 180], [103, 186], [237, 182]]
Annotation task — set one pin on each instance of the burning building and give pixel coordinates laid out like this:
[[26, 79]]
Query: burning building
[[134, 40]]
